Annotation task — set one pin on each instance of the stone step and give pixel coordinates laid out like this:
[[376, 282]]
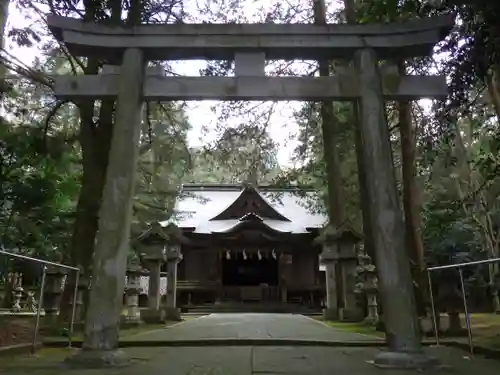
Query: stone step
[[251, 307]]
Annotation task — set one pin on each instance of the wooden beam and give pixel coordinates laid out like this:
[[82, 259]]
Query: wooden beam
[[340, 88], [277, 41]]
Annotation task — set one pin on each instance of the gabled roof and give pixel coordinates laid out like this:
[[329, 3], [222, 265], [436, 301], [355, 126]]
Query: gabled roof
[[260, 206], [217, 208], [252, 222]]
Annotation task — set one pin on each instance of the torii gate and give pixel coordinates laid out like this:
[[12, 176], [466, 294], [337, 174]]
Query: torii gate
[[249, 45]]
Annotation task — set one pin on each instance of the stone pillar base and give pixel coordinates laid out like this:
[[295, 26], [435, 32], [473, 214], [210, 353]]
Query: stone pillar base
[[153, 316], [330, 314], [406, 360], [96, 359], [172, 314]]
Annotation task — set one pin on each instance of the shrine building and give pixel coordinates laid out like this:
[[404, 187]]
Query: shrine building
[[248, 245]]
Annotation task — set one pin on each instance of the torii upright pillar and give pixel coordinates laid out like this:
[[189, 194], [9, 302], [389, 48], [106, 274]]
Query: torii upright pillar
[[112, 243]]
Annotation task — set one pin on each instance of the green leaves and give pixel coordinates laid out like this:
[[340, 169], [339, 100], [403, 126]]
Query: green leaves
[[236, 154], [24, 37], [164, 161], [37, 193]]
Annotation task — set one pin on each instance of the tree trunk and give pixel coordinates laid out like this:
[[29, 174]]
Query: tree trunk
[[492, 84], [8, 298], [413, 221], [95, 141], [368, 239], [89, 203], [411, 200], [4, 14], [329, 129], [350, 16], [479, 212]]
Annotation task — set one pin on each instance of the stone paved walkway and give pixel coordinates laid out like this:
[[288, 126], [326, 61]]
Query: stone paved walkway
[[253, 327], [249, 361]]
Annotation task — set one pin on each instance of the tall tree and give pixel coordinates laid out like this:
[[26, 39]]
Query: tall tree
[[351, 18], [4, 13], [96, 131], [238, 153], [411, 194], [330, 131]]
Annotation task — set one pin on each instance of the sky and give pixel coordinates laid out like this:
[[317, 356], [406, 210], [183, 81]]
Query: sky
[[282, 127]]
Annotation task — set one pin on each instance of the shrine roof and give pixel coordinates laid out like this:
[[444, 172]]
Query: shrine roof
[[218, 208]]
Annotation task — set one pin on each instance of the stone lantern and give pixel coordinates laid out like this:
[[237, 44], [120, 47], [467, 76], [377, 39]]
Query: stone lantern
[[17, 291], [158, 244], [347, 239], [132, 289], [174, 256], [329, 257], [54, 286], [340, 259], [368, 286], [151, 246]]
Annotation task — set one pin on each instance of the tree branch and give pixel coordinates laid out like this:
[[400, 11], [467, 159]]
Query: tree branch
[[50, 115]]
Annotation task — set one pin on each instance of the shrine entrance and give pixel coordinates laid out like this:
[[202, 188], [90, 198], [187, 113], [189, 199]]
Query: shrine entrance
[[249, 270], [250, 278]]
